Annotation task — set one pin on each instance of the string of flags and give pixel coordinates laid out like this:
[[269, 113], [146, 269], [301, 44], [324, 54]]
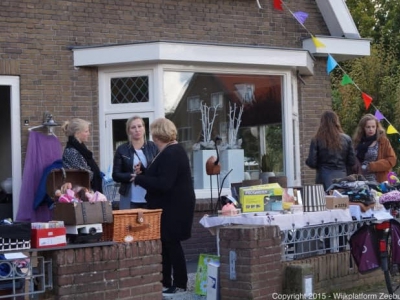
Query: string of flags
[[301, 17]]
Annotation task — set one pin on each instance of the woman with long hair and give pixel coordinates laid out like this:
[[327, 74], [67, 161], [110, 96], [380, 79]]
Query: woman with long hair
[[130, 157], [374, 152], [331, 151]]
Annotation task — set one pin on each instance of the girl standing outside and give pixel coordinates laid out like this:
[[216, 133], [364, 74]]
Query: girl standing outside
[[374, 152], [331, 151]]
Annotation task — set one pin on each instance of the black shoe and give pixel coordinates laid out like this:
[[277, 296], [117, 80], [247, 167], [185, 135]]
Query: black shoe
[[173, 290]]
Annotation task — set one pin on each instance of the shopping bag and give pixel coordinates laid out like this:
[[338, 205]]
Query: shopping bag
[[395, 243], [200, 287], [364, 249]]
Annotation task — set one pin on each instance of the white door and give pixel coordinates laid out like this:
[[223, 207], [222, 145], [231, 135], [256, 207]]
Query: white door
[[115, 134]]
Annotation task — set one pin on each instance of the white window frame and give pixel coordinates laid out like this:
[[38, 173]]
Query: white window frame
[[154, 58], [108, 111], [155, 73]]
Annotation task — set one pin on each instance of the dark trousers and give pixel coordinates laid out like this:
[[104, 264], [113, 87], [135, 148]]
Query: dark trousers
[[138, 205], [173, 263]]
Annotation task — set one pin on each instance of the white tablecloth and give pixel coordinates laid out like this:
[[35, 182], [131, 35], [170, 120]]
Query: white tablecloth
[[284, 221]]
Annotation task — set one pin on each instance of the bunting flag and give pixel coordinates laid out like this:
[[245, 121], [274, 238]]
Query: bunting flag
[[278, 4], [346, 80], [317, 42], [379, 115], [367, 100], [331, 64], [391, 130], [300, 16]]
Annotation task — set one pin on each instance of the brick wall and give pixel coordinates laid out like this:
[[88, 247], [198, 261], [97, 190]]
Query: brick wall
[[260, 272], [37, 36], [119, 271]]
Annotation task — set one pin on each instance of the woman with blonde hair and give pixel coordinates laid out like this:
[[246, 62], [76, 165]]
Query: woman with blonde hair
[[374, 152], [169, 186], [331, 151], [136, 154], [76, 155]]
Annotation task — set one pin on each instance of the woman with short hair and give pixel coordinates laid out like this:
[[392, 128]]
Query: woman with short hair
[[169, 186]]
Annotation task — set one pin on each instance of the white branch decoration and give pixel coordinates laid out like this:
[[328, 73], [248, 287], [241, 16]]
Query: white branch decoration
[[207, 124], [234, 124]]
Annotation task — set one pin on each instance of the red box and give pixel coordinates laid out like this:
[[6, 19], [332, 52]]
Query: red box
[[48, 237]]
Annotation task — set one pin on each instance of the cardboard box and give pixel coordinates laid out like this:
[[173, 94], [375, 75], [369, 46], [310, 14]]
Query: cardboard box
[[48, 237], [83, 212], [333, 202], [261, 197]]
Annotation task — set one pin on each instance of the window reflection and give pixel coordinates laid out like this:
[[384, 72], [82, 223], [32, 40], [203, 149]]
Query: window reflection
[[261, 98]]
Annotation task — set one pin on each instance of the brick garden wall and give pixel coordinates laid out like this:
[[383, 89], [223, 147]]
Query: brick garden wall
[[260, 272], [119, 271]]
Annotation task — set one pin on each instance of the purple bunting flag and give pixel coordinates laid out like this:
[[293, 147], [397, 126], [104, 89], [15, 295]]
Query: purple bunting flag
[[379, 115], [300, 16]]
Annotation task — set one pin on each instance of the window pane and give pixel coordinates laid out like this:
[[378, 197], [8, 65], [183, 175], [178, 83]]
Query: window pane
[[129, 90], [224, 95]]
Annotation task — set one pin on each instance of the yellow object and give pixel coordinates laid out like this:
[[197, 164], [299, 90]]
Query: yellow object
[[256, 198]]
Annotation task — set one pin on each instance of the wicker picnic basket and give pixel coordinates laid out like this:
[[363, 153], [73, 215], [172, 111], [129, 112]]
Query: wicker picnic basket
[[132, 225]]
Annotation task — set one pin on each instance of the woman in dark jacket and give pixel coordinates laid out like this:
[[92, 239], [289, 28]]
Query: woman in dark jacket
[[137, 153], [331, 151], [169, 186], [77, 156]]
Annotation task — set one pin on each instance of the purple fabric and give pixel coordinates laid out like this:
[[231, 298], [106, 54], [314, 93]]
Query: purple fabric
[[42, 151], [395, 227]]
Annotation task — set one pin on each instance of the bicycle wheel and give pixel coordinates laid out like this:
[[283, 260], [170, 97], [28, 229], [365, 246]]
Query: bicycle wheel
[[390, 269]]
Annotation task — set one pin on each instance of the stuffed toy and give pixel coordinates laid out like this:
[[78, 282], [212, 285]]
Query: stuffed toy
[[392, 178], [67, 197], [95, 197]]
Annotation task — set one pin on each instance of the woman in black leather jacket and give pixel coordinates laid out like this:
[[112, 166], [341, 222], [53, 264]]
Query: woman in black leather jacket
[[331, 151], [133, 156]]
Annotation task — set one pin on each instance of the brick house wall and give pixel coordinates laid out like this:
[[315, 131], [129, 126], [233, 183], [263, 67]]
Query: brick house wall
[[37, 36]]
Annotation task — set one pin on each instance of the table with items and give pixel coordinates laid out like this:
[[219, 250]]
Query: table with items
[[290, 221]]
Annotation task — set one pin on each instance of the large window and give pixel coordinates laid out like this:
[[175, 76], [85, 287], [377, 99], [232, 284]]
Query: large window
[[260, 122]]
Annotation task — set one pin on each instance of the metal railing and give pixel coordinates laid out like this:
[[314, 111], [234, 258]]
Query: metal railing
[[23, 277], [299, 243]]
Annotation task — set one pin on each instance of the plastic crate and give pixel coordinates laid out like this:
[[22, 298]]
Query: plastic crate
[[16, 236]]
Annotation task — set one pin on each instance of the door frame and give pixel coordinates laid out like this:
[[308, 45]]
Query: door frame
[[16, 151]]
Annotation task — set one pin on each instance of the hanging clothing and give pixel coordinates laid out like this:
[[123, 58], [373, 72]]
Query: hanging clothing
[[42, 151]]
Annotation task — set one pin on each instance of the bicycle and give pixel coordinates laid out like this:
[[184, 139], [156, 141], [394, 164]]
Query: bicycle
[[385, 239]]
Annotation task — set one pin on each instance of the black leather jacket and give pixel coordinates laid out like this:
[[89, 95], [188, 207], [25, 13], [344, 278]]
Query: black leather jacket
[[322, 157], [123, 163]]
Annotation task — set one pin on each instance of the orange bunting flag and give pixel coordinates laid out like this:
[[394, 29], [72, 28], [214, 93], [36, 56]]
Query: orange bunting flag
[[391, 130], [317, 43], [367, 100], [278, 4]]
